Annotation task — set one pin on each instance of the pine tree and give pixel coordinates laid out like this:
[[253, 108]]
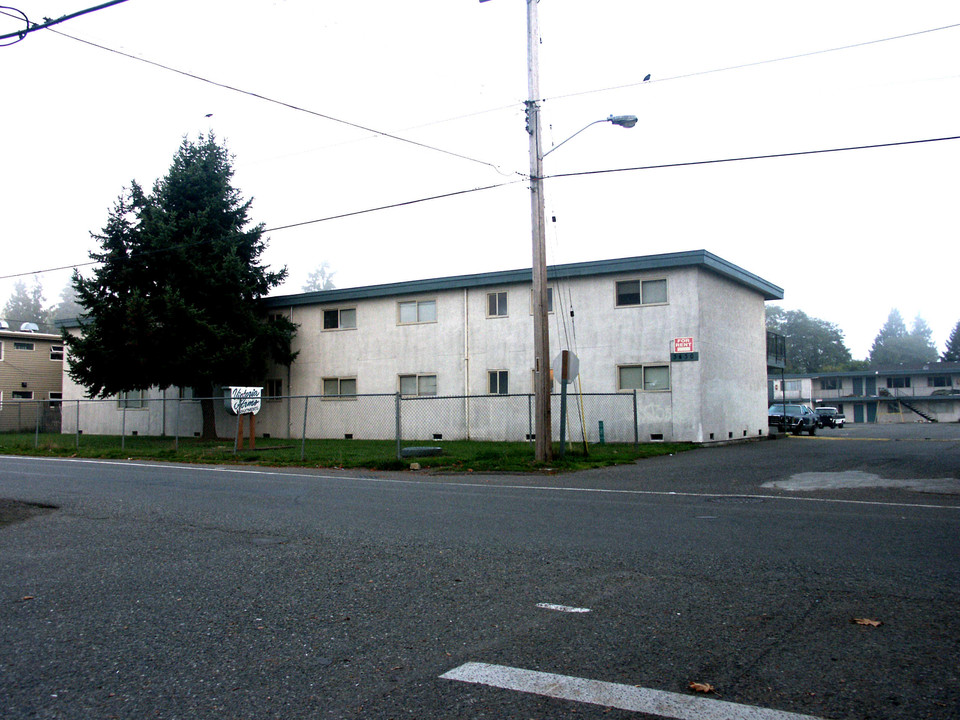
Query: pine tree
[[26, 305], [894, 345], [175, 298], [952, 353]]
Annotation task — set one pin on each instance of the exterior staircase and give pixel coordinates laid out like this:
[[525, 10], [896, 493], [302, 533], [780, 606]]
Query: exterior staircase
[[921, 413]]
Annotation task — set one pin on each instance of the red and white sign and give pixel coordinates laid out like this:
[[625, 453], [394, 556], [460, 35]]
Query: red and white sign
[[683, 345]]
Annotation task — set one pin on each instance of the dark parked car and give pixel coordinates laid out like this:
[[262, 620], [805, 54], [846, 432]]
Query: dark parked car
[[829, 417], [793, 417]]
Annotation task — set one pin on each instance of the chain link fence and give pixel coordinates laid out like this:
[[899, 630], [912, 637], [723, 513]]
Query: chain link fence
[[608, 417]]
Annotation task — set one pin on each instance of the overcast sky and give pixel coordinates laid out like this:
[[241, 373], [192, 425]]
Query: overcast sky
[[848, 236]]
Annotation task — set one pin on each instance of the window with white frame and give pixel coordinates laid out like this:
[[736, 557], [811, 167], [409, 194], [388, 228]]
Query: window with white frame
[[418, 385], [131, 399], [497, 304], [1, 349], [56, 352], [497, 382], [345, 387], [649, 378], [411, 312], [56, 398], [939, 381], [340, 319], [898, 382], [641, 292], [20, 345], [22, 395]]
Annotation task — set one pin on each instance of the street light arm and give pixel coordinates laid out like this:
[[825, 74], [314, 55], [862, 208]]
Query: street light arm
[[572, 136], [627, 121]]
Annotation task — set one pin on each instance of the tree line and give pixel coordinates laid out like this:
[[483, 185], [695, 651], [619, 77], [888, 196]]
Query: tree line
[[815, 345]]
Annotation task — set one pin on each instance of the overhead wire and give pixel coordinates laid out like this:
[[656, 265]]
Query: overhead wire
[[47, 22], [291, 106], [755, 63], [455, 193]]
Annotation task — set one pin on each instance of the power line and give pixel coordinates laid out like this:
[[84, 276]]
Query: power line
[[755, 63], [455, 193], [328, 218], [771, 156], [282, 103], [33, 27]]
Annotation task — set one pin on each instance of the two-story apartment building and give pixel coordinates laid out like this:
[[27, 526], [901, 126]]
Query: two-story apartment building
[[684, 331], [31, 378], [923, 393]]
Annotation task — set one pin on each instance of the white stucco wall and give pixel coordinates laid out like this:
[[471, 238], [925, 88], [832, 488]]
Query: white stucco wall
[[721, 396]]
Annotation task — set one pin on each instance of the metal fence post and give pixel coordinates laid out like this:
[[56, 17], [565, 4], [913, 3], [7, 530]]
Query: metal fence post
[[397, 413], [303, 437], [78, 424], [176, 428], [123, 428], [636, 420], [36, 435], [530, 437]]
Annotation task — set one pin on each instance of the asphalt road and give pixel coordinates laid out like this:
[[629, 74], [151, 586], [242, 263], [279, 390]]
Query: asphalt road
[[168, 591]]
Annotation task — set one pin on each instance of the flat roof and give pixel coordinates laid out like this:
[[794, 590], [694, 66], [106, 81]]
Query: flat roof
[[693, 258]]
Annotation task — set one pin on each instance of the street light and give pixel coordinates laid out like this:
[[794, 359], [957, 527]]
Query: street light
[[626, 121], [541, 339]]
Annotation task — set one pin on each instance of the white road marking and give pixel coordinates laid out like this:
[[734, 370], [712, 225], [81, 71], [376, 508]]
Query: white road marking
[[562, 608], [623, 697], [485, 486]]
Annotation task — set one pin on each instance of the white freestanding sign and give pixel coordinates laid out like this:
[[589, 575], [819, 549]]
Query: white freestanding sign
[[243, 400]]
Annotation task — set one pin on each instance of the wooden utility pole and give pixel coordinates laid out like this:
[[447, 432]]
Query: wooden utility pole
[[541, 332]]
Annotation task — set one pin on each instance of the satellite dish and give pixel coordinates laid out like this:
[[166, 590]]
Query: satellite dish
[[29, 327], [4, 325]]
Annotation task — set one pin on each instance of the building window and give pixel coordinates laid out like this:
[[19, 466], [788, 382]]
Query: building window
[[898, 382], [939, 381], [418, 385], [1, 350], [830, 383], [649, 378], [340, 387], [340, 319], [22, 394], [417, 311], [131, 399], [549, 300], [56, 352], [274, 389], [23, 346], [497, 382], [56, 398], [641, 292], [496, 304]]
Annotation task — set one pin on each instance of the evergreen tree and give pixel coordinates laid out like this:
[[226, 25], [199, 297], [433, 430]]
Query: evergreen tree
[[320, 279], [175, 297], [69, 307], [952, 353], [813, 345], [26, 305], [895, 346]]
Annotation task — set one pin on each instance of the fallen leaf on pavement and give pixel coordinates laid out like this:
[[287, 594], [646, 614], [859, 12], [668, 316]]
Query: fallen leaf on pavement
[[866, 621], [702, 687]]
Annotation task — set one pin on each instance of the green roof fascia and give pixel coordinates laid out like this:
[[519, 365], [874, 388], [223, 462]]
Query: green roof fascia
[[693, 258]]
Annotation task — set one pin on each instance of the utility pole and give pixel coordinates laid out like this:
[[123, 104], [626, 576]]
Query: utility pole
[[541, 332]]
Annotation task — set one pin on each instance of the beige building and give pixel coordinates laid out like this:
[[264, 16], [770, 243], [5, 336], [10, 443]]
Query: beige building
[[31, 380]]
